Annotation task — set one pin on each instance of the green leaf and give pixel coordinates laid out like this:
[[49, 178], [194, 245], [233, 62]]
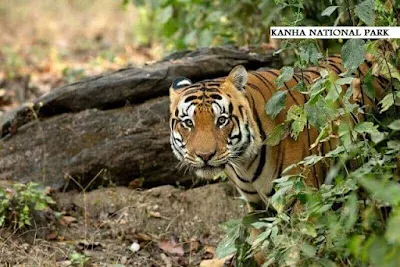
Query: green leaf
[[366, 127], [329, 10], [225, 247], [311, 160], [309, 53], [334, 92], [393, 230], [386, 102], [308, 250], [365, 12], [260, 224], [40, 205], [395, 125], [367, 86], [261, 238], [285, 76], [165, 15], [353, 52], [297, 115], [308, 229], [319, 114], [316, 89], [278, 133], [387, 191], [342, 81], [275, 104], [387, 70], [350, 212], [336, 152], [230, 225]]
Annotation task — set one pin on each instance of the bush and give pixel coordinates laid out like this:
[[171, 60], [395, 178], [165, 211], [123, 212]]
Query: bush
[[18, 203], [181, 24], [353, 218]]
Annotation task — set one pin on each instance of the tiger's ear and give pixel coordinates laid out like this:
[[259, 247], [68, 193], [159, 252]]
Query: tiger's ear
[[180, 82], [177, 87], [238, 77]]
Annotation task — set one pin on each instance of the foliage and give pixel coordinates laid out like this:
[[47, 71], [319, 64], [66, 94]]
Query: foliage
[[181, 24], [353, 218], [18, 203], [78, 259]]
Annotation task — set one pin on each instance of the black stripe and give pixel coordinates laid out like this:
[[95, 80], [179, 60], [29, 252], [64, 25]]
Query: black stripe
[[215, 96], [242, 149], [190, 98], [380, 82], [187, 109], [278, 170], [308, 78], [301, 77], [212, 83], [252, 161], [190, 91], [208, 89], [313, 71], [290, 93], [255, 87], [241, 111], [258, 121], [247, 191], [220, 107], [173, 123], [174, 143], [361, 73], [239, 135], [335, 56], [333, 65], [265, 81], [272, 72], [240, 178], [261, 164]]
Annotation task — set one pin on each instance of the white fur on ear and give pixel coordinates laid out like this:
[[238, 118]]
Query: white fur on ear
[[180, 82], [238, 76]]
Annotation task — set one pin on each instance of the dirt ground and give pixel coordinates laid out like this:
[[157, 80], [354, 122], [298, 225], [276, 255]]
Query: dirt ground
[[163, 226]]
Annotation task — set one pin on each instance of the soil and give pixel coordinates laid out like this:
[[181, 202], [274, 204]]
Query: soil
[[118, 226]]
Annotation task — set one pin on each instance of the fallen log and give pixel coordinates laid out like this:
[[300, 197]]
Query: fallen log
[[111, 128]]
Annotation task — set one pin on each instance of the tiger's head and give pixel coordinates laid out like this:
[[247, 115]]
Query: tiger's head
[[212, 123]]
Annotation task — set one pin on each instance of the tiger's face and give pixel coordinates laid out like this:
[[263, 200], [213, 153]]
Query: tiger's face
[[212, 124]]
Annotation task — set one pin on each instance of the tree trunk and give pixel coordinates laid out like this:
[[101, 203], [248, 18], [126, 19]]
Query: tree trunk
[[111, 128]]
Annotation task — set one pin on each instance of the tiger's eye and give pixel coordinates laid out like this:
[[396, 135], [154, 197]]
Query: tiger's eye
[[221, 120], [188, 123]]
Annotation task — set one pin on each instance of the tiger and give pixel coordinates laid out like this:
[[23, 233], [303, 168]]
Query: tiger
[[221, 125]]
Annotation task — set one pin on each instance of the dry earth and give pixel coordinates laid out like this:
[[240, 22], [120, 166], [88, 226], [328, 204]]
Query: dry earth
[[163, 226]]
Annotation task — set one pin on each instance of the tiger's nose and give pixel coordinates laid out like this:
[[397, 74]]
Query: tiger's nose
[[206, 156]]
